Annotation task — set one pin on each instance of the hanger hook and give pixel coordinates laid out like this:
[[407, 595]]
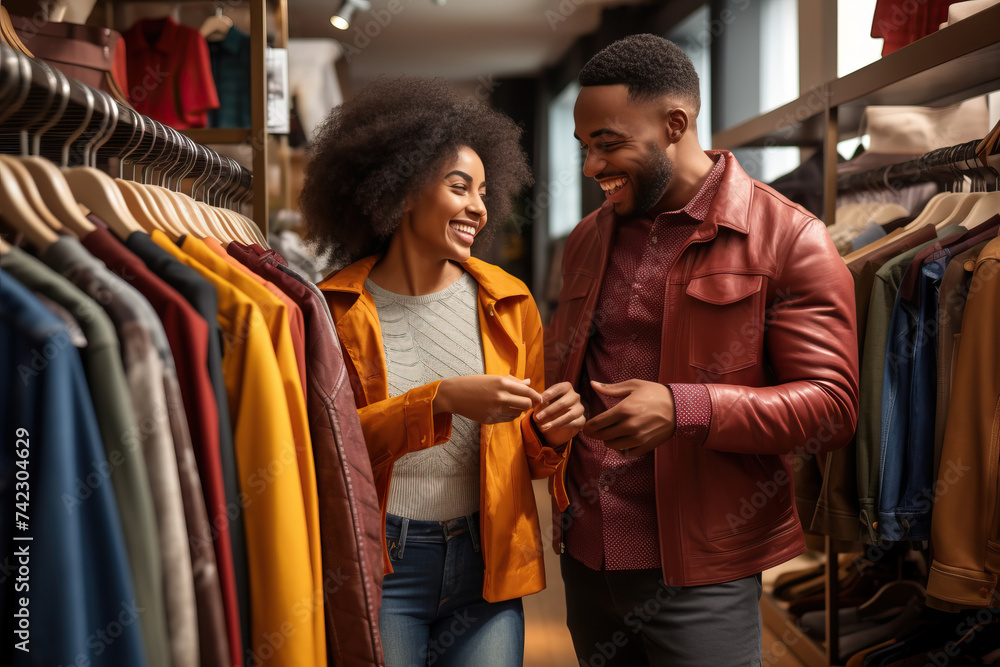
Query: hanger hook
[[21, 76], [88, 112], [127, 149], [127, 159], [43, 117], [112, 107], [103, 118], [60, 91], [142, 161], [202, 176], [9, 71], [190, 157]]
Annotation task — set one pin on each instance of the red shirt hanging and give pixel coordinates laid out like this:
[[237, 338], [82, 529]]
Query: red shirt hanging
[[169, 73]]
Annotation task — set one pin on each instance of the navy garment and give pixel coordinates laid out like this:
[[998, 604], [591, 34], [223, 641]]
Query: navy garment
[[909, 391], [203, 298], [231, 71], [81, 601]]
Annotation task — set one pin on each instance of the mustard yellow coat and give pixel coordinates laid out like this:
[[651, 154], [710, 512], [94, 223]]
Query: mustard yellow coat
[[511, 453]]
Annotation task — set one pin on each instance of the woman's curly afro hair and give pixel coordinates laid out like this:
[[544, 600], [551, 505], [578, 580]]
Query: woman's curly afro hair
[[389, 142]]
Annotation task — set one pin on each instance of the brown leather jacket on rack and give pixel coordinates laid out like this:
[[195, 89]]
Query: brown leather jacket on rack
[[95, 56], [760, 308], [965, 525], [348, 507]]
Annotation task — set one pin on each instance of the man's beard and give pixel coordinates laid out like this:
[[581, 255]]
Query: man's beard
[[652, 182]]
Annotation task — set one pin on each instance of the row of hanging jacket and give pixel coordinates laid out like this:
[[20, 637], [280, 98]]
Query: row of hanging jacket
[[190, 476], [914, 498], [924, 464]]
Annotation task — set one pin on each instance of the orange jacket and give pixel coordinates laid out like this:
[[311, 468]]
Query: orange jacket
[[511, 454]]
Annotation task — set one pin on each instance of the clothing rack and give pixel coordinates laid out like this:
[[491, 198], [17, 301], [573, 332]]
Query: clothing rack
[[950, 65], [45, 113], [943, 165]]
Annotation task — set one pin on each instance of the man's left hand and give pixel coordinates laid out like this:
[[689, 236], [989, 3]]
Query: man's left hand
[[643, 420]]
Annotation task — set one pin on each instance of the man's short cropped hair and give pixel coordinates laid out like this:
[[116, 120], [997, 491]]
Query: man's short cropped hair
[[649, 66]]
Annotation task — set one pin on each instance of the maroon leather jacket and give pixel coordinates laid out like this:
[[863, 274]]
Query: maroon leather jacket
[[760, 308]]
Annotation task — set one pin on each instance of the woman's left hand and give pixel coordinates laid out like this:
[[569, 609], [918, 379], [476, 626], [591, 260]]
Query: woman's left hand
[[560, 415]]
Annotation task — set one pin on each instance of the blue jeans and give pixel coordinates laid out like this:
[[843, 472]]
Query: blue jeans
[[433, 611]]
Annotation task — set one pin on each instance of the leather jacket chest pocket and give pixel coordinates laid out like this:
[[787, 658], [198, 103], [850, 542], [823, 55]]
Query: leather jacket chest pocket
[[572, 308], [726, 321], [575, 286]]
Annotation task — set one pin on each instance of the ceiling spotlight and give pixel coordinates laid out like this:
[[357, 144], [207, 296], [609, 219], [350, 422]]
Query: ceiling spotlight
[[342, 19], [439, 2]]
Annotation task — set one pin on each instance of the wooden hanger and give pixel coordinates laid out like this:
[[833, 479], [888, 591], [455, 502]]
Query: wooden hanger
[[29, 189], [873, 246], [243, 226], [224, 229], [887, 213], [19, 214], [936, 209], [138, 207], [962, 208], [97, 191], [164, 206], [986, 147], [239, 224], [9, 35], [192, 218], [257, 236], [16, 88], [164, 217], [224, 168], [47, 178], [232, 225], [985, 208], [4, 246], [213, 225], [216, 27], [56, 191], [893, 595]]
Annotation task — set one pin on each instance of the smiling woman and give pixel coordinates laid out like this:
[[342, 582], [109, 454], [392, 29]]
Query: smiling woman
[[386, 145], [444, 353]]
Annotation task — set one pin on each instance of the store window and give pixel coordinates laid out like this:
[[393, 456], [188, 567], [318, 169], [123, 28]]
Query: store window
[[779, 53], [757, 70], [779, 76], [855, 49], [694, 36], [562, 190], [855, 45]]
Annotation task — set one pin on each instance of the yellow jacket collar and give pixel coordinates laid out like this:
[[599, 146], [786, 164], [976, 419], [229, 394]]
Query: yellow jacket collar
[[497, 283]]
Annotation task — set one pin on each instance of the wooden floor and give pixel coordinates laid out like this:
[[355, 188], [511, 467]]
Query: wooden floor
[[546, 640]]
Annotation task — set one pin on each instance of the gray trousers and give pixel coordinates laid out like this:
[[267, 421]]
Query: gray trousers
[[630, 618]]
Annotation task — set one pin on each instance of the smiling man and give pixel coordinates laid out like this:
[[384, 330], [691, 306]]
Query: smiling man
[[708, 324]]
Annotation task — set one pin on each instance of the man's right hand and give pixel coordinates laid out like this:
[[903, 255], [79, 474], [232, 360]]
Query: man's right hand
[[487, 399]]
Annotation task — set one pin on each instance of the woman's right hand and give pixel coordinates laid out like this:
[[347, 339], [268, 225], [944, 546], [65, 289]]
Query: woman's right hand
[[487, 399]]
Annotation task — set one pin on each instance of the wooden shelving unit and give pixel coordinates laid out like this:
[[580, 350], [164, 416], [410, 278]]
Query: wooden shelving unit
[[256, 135], [950, 65]]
